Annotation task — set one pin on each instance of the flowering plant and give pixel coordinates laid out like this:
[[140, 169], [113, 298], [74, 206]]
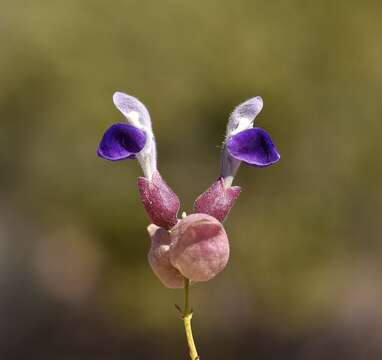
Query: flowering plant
[[194, 248]]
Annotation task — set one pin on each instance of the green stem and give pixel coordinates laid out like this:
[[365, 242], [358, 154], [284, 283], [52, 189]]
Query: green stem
[[187, 316]]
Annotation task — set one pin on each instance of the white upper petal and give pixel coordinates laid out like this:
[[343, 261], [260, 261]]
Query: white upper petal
[[242, 118], [127, 104]]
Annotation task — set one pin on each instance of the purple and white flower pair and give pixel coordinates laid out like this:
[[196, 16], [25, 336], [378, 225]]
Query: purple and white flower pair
[[196, 246]]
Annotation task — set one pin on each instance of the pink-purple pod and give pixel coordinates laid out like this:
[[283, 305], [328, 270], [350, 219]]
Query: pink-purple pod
[[196, 248], [159, 258], [199, 247], [160, 202], [217, 200]]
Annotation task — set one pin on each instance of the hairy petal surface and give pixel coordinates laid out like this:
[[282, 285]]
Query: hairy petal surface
[[121, 141], [217, 200], [199, 247], [159, 258], [127, 104], [254, 147], [243, 116], [160, 202]]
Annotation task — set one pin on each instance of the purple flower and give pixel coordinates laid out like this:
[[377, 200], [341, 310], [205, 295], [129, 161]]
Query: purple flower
[[133, 139], [244, 143]]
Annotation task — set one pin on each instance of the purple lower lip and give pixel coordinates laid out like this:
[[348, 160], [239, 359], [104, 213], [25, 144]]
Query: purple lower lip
[[254, 147], [121, 141]]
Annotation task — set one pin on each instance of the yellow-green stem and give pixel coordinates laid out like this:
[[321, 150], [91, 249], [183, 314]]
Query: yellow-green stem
[[187, 316]]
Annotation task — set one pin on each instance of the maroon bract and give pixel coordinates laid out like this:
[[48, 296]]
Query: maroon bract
[[160, 202], [217, 200]]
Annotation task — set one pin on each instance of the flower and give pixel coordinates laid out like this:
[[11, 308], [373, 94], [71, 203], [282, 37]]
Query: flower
[[195, 247], [243, 143], [133, 139]]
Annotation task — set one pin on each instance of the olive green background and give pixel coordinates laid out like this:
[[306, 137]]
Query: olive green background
[[304, 277]]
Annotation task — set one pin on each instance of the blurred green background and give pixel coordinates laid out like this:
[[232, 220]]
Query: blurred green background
[[304, 277]]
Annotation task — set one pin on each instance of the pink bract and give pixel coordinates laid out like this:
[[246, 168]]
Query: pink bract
[[217, 200], [160, 202]]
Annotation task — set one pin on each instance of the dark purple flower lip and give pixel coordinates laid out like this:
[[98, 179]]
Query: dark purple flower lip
[[121, 141], [253, 146]]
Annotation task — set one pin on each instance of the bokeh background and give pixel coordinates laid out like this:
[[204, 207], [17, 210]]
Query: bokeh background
[[304, 278]]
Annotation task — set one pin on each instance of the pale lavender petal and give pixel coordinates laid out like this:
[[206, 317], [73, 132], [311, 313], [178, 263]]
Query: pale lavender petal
[[126, 104], [160, 202], [254, 147], [121, 141], [217, 200], [159, 258], [199, 247], [244, 115]]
